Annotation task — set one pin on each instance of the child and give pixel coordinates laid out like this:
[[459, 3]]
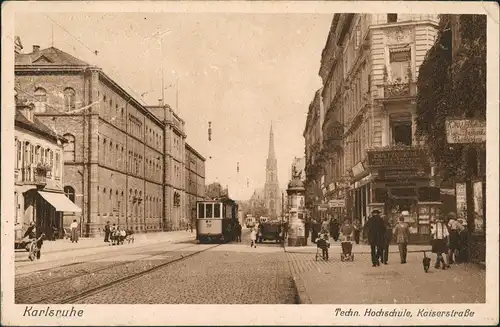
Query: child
[[253, 237], [323, 243]]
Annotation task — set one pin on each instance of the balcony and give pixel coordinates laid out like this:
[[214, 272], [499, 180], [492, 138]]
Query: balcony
[[32, 175], [399, 90]]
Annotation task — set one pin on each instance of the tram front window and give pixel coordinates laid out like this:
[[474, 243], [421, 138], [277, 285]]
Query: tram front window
[[217, 210], [208, 210], [201, 210]]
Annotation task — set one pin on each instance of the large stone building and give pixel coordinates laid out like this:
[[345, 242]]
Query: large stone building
[[195, 181], [124, 160], [39, 195], [272, 196], [371, 157]]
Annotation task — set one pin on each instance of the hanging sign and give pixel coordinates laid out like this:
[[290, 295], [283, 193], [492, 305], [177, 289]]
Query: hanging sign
[[465, 131]]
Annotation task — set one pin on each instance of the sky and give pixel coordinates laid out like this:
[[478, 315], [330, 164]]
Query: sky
[[241, 72]]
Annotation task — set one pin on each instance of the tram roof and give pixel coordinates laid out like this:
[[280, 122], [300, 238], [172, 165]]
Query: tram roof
[[224, 200]]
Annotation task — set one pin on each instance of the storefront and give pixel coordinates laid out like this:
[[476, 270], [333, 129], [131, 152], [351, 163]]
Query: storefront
[[49, 213], [396, 181]]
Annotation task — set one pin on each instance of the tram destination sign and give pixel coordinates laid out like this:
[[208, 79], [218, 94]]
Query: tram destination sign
[[465, 131], [405, 157]]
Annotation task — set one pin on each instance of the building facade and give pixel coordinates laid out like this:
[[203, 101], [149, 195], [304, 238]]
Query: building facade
[[39, 195], [272, 196], [373, 158], [195, 181], [314, 172], [124, 161]]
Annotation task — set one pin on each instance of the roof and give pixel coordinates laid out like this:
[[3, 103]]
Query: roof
[[35, 126], [192, 150], [50, 56]]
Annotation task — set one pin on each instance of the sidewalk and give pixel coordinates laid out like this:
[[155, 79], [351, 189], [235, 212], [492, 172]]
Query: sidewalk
[[64, 245], [356, 248], [357, 282]]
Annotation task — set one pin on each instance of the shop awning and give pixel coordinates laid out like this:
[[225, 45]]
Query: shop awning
[[60, 202]]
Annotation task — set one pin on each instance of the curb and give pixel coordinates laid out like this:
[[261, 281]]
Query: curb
[[302, 296]]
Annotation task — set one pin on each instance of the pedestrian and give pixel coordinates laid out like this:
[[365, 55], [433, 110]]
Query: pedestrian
[[454, 244], [238, 232], [107, 231], [325, 227], [253, 238], [74, 231], [440, 235], [357, 230], [462, 236], [335, 229], [191, 227], [387, 240], [347, 231], [402, 233], [375, 233]]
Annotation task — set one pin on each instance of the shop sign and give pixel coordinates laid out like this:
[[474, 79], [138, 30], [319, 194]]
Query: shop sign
[[465, 131], [411, 157], [323, 207], [338, 203], [399, 174], [358, 169]]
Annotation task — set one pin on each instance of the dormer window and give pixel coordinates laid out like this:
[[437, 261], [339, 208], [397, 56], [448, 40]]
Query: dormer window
[[28, 112], [69, 99], [40, 99]]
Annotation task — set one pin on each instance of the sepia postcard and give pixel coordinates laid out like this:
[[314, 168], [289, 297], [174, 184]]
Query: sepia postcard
[[249, 163]]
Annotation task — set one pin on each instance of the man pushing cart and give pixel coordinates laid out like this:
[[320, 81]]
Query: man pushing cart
[[347, 232]]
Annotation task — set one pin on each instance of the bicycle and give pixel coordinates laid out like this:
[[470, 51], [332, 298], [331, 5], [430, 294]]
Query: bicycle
[[33, 247]]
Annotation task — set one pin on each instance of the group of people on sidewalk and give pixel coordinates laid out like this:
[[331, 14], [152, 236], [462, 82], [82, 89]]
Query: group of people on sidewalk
[[333, 228], [116, 235], [446, 238]]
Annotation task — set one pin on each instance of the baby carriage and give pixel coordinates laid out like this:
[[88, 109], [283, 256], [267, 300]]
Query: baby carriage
[[323, 245], [346, 254]]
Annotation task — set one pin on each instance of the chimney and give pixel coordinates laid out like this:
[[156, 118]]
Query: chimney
[[36, 48], [160, 102]]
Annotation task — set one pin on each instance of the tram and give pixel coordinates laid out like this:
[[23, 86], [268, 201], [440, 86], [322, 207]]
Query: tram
[[216, 220]]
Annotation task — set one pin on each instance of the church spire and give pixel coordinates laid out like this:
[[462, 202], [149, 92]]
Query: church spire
[[271, 154]]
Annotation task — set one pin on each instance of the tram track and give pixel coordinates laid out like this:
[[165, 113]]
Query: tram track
[[104, 287], [39, 287], [56, 280]]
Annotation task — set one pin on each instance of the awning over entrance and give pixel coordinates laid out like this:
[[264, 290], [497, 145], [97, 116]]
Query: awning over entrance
[[60, 202]]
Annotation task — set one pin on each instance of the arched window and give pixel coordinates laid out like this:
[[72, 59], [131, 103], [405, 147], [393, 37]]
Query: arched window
[[40, 99], [69, 148], [70, 193], [69, 99]]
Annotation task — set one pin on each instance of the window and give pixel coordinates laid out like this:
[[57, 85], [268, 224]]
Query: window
[[40, 99], [392, 18], [70, 193], [217, 211], [16, 203], [69, 148], [57, 166], [208, 210], [69, 99], [19, 151], [400, 65], [401, 129]]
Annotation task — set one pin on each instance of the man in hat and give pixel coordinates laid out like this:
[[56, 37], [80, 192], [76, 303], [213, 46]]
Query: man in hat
[[375, 229]]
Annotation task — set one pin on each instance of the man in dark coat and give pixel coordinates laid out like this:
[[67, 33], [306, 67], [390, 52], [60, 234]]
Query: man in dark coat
[[375, 229], [107, 231], [334, 229], [387, 240]]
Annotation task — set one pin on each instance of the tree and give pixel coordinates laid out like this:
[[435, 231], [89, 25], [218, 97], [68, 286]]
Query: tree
[[214, 190], [452, 83]]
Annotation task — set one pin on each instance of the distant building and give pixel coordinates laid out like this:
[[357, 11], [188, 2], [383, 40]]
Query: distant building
[[195, 181], [272, 196]]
